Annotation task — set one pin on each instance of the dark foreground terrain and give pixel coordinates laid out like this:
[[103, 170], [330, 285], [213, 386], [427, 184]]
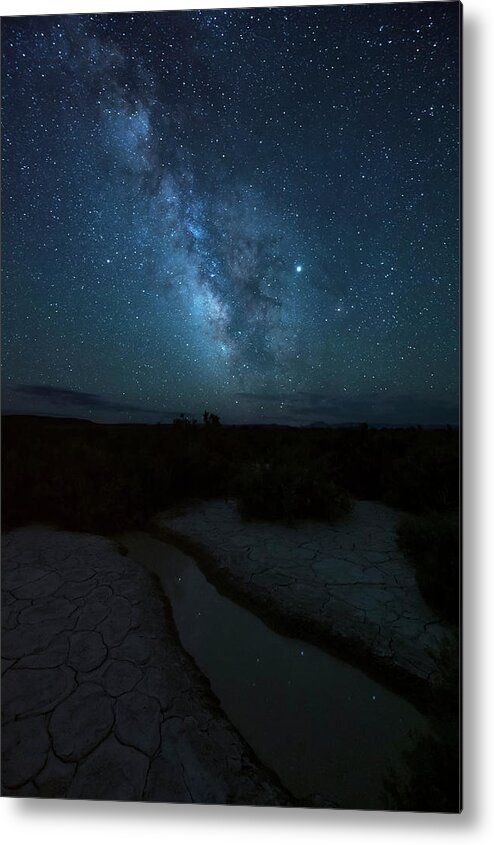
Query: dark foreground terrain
[[104, 479], [99, 700], [107, 478]]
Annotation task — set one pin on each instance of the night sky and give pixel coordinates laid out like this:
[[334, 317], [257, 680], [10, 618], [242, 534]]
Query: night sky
[[253, 211]]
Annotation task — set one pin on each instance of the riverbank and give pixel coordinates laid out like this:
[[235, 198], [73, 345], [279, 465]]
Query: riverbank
[[346, 586], [100, 701], [330, 732]]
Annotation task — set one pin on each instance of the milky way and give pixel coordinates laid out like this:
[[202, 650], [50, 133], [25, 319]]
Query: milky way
[[254, 211]]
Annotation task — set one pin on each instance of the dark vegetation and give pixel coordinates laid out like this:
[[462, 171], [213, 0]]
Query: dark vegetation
[[431, 540], [432, 760], [291, 485], [108, 477], [105, 478]]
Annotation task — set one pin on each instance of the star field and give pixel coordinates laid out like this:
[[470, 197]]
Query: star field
[[250, 210]]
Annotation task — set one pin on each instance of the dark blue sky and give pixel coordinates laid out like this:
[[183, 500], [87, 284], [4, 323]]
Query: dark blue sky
[[251, 210]]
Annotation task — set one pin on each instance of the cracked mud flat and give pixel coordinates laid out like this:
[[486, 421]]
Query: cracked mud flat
[[345, 584], [99, 700], [329, 731]]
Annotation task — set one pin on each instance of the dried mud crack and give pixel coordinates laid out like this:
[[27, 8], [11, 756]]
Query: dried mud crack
[[99, 700]]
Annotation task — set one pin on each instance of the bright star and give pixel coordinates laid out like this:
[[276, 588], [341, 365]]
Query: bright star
[[298, 268]]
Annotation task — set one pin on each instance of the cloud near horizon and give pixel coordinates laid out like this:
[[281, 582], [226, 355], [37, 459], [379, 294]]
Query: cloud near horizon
[[48, 399], [300, 408]]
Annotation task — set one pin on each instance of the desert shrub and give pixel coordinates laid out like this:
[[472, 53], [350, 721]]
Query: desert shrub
[[425, 477], [104, 478], [96, 477], [432, 542], [429, 780], [411, 468], [432, 783], [287, 489], [197, 471]]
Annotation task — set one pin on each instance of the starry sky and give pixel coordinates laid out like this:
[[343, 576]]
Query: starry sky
[[254, 211]]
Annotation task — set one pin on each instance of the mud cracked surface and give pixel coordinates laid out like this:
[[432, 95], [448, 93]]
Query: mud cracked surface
[[348, 581], [99, 699]]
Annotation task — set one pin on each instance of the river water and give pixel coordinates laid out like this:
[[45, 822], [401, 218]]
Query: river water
[[322, 725]]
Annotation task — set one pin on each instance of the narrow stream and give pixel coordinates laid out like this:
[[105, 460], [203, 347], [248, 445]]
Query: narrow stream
[[323, 726]]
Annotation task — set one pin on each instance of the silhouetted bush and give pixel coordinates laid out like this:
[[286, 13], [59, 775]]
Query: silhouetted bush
[[106, 477], [288, 489], [430, 779], [425, 477], [102, 478], [432, 543]]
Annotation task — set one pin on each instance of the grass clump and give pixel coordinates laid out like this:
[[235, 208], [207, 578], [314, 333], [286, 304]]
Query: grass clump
[[430, 780], [431, 541], [288, 489]]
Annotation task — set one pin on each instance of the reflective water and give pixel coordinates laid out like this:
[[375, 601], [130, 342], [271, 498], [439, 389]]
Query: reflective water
[[323, 726]]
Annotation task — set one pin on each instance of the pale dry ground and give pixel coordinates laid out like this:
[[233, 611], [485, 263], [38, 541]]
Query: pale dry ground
[[347, 580], [99, 698]]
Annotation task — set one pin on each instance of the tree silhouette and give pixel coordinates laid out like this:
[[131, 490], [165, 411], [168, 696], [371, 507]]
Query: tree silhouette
[[211, 419]]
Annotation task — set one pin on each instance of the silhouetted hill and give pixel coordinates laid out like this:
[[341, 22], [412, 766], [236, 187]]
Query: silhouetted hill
[[42, 419]]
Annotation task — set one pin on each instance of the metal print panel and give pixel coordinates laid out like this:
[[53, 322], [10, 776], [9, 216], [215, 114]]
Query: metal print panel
[[231, 406]]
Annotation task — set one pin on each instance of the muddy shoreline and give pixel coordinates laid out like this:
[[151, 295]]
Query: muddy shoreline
[[417, 690]]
